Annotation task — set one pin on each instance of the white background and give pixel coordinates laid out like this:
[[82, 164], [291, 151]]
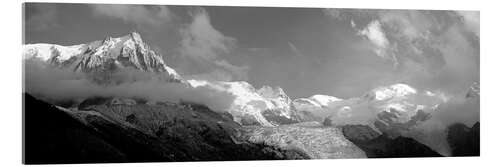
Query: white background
[[11, 79]]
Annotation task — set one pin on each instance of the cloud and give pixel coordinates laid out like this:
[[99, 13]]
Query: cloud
[[376, 35], [435, 51], [433, 131], [239, 72], [427, 48], [41, 16], [59, 85], [206, 46], [201, 41], [143, 16]]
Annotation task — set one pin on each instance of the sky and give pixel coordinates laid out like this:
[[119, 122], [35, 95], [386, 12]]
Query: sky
[[306, 51]]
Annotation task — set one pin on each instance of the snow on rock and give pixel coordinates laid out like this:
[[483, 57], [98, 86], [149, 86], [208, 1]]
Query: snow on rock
[[396, 90], [311, 138], [106, 55], [324, 100], [249, 103], [392, 108], [45, 52], [278, 98], [315, 103]]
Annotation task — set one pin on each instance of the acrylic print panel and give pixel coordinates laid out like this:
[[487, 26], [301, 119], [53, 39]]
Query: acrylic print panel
[[111, 83]]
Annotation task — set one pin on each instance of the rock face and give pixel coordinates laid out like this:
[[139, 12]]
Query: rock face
[[136, 133], [311, 138], [52, 136], [389, 122], [102, 57], [464, 141], [378, 145]]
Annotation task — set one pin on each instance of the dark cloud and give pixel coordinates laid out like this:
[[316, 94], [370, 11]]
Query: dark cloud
[[144, 17], [40, 16]]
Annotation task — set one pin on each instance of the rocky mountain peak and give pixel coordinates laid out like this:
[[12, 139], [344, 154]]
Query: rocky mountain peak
[[388, 92], [136, 36], [270, 92], [107, 55]]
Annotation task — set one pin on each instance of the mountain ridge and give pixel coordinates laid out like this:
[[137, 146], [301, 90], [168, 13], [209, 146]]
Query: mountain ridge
[[250, 103], [107, 55]]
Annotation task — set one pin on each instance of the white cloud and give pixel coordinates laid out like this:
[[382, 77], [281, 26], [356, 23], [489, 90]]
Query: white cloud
[[201, 40], [60, 84], [238, 72], [205, 45], [376, 35], [141, 15]]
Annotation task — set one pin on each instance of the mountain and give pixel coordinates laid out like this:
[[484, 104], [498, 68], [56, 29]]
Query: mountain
[[252, 106], [52, 136], [394, 105], [379, 145], [277, 96], [260, 123], [463, 140], [315, 108], [268, 106], [311, 138], [387, 108], [117, 133], [102, 56], [101, 59], [315, 102]]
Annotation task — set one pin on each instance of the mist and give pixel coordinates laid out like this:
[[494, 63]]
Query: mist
[[433, 132], [58, 84]]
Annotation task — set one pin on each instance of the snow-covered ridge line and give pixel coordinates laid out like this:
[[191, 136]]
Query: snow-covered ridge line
[[110, 53], [45, 51], [250, 104]]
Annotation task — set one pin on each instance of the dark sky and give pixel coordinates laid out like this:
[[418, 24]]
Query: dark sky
[[305, 51]]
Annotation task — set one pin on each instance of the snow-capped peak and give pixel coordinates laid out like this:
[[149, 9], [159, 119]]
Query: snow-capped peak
[[103, 55], [317, 105], [45, 52], [270, 92], [249, 104], [388, 92], [136, 36], [324, 100]]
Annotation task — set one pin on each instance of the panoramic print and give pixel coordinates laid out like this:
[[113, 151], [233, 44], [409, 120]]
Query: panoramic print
[[116, 83]]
